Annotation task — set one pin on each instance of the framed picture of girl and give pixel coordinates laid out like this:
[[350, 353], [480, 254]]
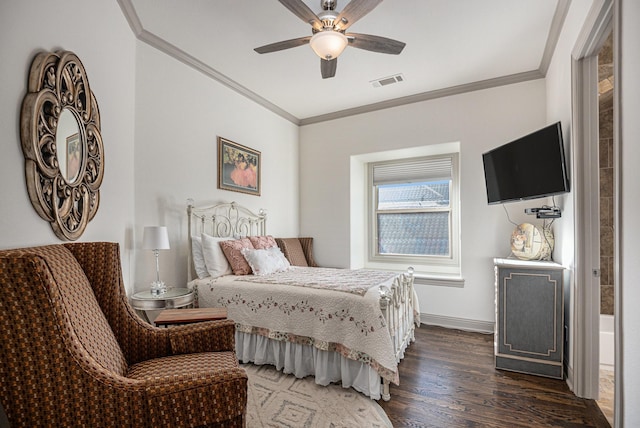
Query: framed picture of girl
[[238, 168]]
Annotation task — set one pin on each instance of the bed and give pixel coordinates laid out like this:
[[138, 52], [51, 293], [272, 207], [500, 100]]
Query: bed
[[339, 325]]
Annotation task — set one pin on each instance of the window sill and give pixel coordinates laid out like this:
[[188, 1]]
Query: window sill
[[441, 281]]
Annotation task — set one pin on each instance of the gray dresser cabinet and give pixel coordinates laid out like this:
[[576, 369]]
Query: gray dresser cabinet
[[529, 317]]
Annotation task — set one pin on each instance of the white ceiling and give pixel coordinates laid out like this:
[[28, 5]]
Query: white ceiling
[[451, 46]]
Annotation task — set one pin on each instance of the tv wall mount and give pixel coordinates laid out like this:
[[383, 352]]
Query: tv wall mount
[[544, 212]]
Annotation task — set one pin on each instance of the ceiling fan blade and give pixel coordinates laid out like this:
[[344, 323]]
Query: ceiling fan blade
[[328, 68], [286, 44], [353, 11], [302, 11], [375, 43]]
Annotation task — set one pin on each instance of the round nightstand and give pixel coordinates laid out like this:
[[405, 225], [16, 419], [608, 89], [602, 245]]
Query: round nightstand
[[173, 298]]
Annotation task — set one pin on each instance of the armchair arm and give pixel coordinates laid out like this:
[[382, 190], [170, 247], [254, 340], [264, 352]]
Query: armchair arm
[[210, 336]]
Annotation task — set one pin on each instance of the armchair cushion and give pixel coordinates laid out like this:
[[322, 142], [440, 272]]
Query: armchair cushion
[[204, 383], [184, 367]]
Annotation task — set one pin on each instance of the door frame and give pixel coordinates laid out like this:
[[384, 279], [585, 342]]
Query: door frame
[[586, 306]]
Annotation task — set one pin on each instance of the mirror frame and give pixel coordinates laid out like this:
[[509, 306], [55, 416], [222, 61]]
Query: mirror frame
[[58, 81]]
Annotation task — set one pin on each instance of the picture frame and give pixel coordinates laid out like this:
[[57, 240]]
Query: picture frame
[[239, 168]]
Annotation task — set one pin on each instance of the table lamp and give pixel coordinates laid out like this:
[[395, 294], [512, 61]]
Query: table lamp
[[156, 238]]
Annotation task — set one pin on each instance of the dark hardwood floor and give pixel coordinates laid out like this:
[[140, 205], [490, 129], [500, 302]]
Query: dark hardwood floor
[[448, 380]]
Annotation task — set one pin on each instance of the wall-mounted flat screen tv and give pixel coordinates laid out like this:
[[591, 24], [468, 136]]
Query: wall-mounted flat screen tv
[[530, 167]]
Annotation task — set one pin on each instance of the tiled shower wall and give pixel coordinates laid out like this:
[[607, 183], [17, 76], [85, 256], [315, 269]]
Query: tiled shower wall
[[605, 63]]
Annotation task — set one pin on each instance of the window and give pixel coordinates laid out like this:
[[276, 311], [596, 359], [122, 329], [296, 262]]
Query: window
[[414, 219], [414, 211]]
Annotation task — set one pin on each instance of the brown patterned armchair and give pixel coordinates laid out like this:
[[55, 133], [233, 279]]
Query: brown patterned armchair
[[74, 353]]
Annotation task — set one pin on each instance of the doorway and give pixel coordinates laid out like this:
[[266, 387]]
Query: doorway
[[585, 346], [607, 226]]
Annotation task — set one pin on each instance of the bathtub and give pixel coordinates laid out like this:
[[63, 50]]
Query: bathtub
[[607, 344]]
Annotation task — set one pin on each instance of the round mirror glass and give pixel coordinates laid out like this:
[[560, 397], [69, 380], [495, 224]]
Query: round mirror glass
[[69, 146]]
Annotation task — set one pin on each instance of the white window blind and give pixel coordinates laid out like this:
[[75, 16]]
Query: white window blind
[[413, 171]]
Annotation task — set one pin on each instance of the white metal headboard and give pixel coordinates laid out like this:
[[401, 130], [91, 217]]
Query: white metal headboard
[[224, 220]]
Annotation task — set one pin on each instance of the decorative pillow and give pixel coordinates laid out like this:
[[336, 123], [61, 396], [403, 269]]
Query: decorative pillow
[[262, 242], [197, 255], [277, 253], [265, 261], [292, 249], [233, 251], [214, 259]]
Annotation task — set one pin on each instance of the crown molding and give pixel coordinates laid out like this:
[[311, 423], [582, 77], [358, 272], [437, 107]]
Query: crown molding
[[131, 15], [426, 96], [175, 52], [562, 9]]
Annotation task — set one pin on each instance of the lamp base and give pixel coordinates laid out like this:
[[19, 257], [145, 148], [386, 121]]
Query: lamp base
[[158, 288]]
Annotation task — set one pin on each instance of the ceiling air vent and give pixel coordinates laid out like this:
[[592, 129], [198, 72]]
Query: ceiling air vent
[[387, 80]]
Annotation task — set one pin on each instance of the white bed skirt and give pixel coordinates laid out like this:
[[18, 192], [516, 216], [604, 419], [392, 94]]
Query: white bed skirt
[[306, 360]]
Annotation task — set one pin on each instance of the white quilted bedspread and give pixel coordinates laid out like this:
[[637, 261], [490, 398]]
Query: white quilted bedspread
[[302, 311], [349, 281]]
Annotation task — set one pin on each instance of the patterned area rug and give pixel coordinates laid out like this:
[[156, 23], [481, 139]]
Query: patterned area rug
[[276, 399]]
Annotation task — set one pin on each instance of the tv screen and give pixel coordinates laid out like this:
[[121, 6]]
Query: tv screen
[[527, 168]]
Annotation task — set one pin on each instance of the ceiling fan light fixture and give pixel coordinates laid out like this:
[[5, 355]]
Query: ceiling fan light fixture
[[328, 44]]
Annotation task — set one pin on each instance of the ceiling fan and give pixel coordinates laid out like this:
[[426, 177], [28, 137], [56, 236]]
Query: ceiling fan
[[328, 38]]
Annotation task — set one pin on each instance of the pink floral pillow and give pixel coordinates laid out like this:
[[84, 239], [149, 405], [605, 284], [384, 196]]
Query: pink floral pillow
[[233, 252], [263, 242]]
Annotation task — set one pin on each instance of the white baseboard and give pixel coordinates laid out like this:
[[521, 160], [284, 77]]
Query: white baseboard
[[478, 326]]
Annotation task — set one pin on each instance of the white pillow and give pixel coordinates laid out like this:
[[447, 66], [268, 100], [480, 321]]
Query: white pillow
[[276, 252], [198, 257], [266, 261], [214, 258]]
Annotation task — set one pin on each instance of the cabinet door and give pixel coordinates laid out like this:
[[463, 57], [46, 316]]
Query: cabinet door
[[530, 321]]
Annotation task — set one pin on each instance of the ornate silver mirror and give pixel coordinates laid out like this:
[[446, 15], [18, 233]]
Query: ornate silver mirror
[[61, 142]]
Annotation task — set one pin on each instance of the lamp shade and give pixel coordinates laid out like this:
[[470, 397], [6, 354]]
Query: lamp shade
[[328, 44], [155, 238]]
